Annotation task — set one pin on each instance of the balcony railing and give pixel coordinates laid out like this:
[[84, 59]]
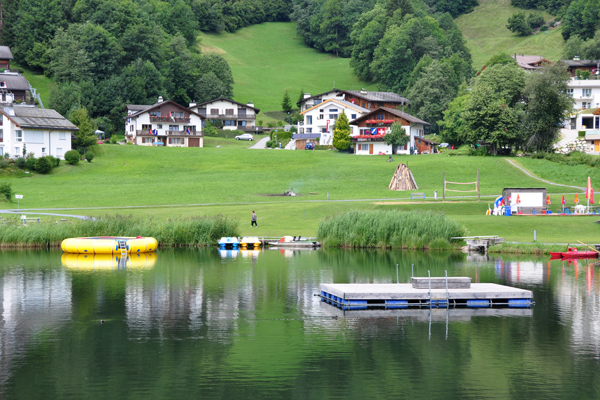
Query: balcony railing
[[228, 116], [589, 132], [154, 118], [169, 133]]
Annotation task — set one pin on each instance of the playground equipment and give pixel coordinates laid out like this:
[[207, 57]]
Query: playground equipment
[[476, 183]]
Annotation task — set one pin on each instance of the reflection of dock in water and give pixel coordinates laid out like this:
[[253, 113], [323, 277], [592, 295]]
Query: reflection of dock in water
[[426, 314], [108, 261]]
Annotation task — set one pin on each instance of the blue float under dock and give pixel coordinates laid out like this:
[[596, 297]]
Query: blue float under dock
[[353, 296]]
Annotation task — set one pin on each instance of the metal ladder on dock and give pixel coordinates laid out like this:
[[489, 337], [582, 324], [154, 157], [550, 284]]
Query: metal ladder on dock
[[123, 248]]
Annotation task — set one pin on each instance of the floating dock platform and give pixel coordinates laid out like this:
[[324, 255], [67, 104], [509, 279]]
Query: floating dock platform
[[425, 292]]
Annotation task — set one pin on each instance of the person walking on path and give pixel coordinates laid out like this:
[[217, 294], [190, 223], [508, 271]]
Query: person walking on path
[[254, 219]]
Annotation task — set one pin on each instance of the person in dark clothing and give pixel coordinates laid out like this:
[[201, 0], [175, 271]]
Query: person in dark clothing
[[253, 219]]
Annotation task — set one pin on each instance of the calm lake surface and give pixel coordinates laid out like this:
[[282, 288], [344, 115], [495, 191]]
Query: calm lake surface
[[200, 324]]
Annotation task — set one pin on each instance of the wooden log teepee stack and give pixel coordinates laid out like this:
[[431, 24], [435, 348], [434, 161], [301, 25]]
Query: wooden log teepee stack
[[403, 179]]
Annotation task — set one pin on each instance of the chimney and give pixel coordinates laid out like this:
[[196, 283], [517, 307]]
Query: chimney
[[250, 104], [160, 99], [306, 95], [576, 58], [192, 104]]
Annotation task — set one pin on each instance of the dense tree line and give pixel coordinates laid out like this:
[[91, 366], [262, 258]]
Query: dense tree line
[[555, 7], [506, 107], [104, 54]]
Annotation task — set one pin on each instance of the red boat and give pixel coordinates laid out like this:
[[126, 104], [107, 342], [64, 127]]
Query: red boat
[[573, 253]]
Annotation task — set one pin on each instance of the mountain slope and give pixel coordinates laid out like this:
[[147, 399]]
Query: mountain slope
[[268, 59], [486, 34]]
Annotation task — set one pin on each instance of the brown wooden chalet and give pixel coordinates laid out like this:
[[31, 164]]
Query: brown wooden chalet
[[165, 123], [5, 57], [582, 65], [14, 87], [531, 63], [376, 124]]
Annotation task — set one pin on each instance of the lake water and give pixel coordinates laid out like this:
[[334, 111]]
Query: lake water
[[200, 324]]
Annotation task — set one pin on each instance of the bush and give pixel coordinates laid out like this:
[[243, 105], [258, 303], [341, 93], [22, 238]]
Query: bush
[[43, 165], [6, 190], [21, 162], [54, 160], [89, 156], [31, 163], [72, 157], [543, 28], [322, 147], [117, 138], [4, 163], [581, 134], [270, 143]]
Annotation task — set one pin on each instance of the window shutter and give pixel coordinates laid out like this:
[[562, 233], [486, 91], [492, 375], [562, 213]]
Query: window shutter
[[170, 140]]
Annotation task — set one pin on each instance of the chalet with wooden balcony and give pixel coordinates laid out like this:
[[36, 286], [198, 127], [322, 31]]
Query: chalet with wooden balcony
[[14, 88], [362, 98], [165, 123], [5, 57], [231, 114], [373, 127]]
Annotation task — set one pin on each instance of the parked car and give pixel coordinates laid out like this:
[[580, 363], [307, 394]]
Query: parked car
[[245, 136], [309, 146]]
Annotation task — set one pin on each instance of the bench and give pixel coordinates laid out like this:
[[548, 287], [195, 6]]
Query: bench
[[30, 219], [417, 196]]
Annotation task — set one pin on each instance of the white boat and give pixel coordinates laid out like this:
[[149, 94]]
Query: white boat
[[295, 242]]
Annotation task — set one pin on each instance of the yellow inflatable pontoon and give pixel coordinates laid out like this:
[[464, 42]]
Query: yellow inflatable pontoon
[[108, 245], [94, 262]]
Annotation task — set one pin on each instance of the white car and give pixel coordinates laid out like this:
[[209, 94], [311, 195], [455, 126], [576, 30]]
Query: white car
[[245, 136]]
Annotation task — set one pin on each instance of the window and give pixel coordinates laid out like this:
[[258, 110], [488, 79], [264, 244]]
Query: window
[[364, 147], [147, 140], [570, 92], [586, 92], [380, 104], [146, 127], [333, 110], [333, 116], [241, 123], [308, 130], [155, 113], [380, 116], [34, 137], [320, 116], [177, 114], [17, 151], [229, 122], [130, 130], [323, 130], [316, 102], [309, 120], [176, 140], [353, 116], [1, 151], [43, 150], [19, 135], [59, 152], [1, 135], [214, 111], [159, 126], [192, 128], [173, 127], [229, 111]]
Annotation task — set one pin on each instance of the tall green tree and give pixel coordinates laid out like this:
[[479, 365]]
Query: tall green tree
[[341, 132], [286, 103], [396, 137], [517, 23], [86, 135], [547, 106]]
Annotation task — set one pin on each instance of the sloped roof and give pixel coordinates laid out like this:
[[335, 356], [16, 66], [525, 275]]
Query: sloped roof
[[318, 95], [526, 62], [378, 96], [340, 102], [256, 110], [137, 107], [38, 118], [14, 82], [393, 111], [431, 142], [5, 53], [581, 63], [156, 105]]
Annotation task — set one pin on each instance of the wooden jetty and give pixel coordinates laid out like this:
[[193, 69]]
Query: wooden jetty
[[426, 292], [480, 243]]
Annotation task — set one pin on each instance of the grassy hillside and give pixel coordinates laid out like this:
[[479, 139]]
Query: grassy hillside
[[486, 34], [268, 59], [233, 181]]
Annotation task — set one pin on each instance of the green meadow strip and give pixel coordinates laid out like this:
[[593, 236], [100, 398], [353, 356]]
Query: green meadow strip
[[172, 232], [384, 229]]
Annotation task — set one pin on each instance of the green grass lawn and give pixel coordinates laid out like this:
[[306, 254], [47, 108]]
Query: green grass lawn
[[269, 58], [40, 82], [486, 34], [233, 181]]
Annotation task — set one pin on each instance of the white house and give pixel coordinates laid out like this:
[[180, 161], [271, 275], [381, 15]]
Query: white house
[[320, 119], [373, 127], [232, 114], [586, 111], [40, 131], [165, 123]]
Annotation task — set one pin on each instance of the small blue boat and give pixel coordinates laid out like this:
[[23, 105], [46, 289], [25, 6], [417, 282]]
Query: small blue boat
[[229, 242]]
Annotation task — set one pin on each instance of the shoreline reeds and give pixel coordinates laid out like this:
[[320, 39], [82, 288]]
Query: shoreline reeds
[[390, 229], [172, 232]]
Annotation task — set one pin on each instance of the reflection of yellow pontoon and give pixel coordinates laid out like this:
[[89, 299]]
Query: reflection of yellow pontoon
[[109, 245], [108, 261]]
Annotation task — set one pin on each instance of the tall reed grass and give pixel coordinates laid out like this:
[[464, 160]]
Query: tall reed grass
[[173, 232], [400, 229]]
